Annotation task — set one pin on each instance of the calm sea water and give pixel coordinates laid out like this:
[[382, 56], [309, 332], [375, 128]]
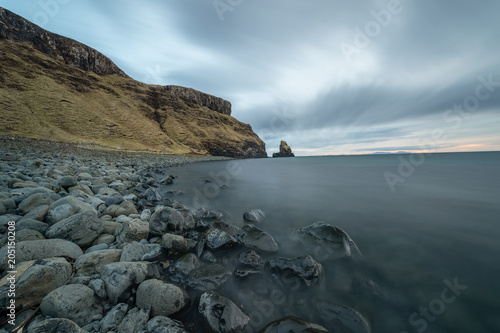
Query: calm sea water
[[438, 228]]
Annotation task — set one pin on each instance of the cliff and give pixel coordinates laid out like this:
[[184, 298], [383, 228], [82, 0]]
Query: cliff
[[55, 88]]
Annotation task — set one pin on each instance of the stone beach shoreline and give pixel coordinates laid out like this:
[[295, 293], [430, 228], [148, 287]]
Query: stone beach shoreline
[[98, 249]]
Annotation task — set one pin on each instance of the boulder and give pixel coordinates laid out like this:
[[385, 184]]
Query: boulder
[[165, 299], [208, 277], [36, 200], [35, 279], [81, 229], [113, 318], [185, 264], [254, 215], [125, 208], [27, 223], [28, 235], [66, 207], [56, 325], [175, 244], [303, 268], [66, 182], [93, 262], [293, 324], [75, 302], [340, 318], [218, 239], [120, 276], [330, 242], [41, 249], [250, 258], [166, 219], [257, 239], [38, 213], [219, 314], [132, 230], [134, 251], [135, 320]]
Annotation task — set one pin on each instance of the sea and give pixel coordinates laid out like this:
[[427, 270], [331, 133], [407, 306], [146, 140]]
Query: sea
[[428, 226]]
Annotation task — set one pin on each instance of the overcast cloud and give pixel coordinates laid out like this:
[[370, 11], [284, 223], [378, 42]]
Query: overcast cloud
[[330, 77]]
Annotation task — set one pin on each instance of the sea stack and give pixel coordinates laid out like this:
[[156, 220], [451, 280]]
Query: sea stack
[[285, 150]]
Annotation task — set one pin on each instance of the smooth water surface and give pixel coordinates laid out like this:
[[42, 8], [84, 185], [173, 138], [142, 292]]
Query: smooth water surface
[[439, 227]]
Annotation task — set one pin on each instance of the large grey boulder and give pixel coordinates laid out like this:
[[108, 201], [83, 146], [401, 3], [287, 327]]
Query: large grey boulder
[[135, 320], [56, 325], [93, 262], [35, 279], [166, 219], [119, 276], [136, 251], [257, 239], [125, 208], [81, 229], [164, 298], [66, 207], [75, 302], [132, 230], [27, 223], [40, 249], [303, 268], [66, 182], [38, 213], [175, 244], [36, 200], [114, 317], [220, 314]]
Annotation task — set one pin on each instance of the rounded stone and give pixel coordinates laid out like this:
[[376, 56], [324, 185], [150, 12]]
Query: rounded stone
[[164, 298]]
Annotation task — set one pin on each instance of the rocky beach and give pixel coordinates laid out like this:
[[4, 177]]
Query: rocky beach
[[99, 247]]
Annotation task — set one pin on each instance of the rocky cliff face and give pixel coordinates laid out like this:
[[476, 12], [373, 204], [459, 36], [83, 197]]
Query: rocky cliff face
[[55, 88], [14, 27], [285, 151]]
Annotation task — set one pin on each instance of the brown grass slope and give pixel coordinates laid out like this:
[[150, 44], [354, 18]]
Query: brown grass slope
[[43, 97]]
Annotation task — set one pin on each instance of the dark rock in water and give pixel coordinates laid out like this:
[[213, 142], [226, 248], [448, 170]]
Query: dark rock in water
[[304, 268], [167, 181], [208, 277], [340, 318], [185, 264], [211, 214], [152, 195], [56, 325], [254, 215], [161, 324], [285, 150], [220, 314], [175, 244], [250, 258], [245, 273], [208, 256], [331, 242], [218, 239], [293, 324], [257, 239], [166, 219]]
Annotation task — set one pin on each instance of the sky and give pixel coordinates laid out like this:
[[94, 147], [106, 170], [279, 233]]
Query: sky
[[329, 77]]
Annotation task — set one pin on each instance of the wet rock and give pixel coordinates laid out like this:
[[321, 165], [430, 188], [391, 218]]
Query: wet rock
[[340, 318], [257, 239], [75, 302], [132, 230], [113, 318], [135, 320], [304, 268], [120, 276], [208, 277], [81, 229], [152, 194], [218, 239], [245, 273], [134, 251], [41, 249], [35, 279], [56, 325], [93, 262], [166, 219], [105, 239], [164, 298], [161, 324], [185, 264], [254, 215], [250, 258], [125, 208], [175, 244], [39, 213], [219, 314], [293, 324], [331, 242]]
